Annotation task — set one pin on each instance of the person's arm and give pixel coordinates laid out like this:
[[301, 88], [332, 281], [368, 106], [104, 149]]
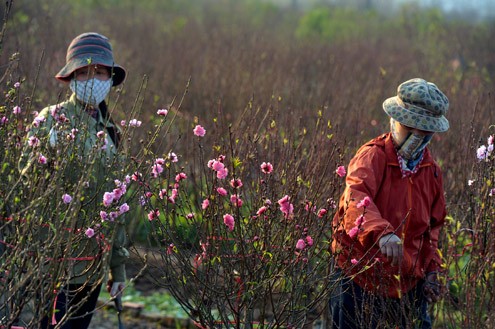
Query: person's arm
[[43, 130], [364, 178], [119, 256]]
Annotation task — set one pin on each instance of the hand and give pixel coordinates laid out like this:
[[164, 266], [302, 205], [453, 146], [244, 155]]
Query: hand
[[391, 247], [431, 288], [115, 288]]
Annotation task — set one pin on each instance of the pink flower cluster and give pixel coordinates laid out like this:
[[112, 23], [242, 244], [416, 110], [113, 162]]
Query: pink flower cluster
[[484, 152], [303, 243], [110, 198], [285, 206], [364, 203], [355, 230], [218, 166]]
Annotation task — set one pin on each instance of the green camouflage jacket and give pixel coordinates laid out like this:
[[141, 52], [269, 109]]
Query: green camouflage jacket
[[77, 150]]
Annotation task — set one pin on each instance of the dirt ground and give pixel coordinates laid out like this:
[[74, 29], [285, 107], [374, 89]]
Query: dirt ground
[[131, 317]]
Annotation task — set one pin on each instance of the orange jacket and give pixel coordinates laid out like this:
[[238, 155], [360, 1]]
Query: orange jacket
[[413, 208]]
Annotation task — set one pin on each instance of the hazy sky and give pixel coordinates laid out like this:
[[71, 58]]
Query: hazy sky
[[477, 9]]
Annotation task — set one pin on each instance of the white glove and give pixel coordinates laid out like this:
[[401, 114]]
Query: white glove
[[391, 246], [116, 289]]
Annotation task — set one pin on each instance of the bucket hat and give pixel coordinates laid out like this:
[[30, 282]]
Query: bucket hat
[[90, 49], [419, 104]]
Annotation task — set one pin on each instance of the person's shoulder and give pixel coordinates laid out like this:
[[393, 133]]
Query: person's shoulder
[[375, 145]]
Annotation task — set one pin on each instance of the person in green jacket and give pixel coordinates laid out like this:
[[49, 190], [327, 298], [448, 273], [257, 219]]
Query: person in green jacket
[[82, 136]]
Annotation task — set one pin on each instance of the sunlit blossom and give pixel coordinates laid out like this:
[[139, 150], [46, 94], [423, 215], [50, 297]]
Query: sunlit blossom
[[156, 170], [217, 165], [353, 232], [38, 120], [172, 157], [90, 232], [481, 153], [162, 194], [236, 183], [360, 220], [170, 249], [300, 244], [205, 204], [266, 167], [221, 191], [229, 221], [340, 171], [364, 203], [103, 215], [173, 195], [100, 134], [490, 140], [331, 203], [190, 215], [123, 208], [33, 141], [17, 110], [66, 198], [42, 159], [17, 84], [309, 207], [223, 173], [470, 182], [309, 240], [235, 200], [135, 123], [354, 261], [4, 120], [136, 176], [180, 176], [162, 112], [108, 198], [322, 212], [123, 123], [199, 131], [153, 214], [262, 210], [285, 206]]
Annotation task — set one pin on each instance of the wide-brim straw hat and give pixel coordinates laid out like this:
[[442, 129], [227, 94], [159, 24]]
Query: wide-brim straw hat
[[90, 49], [419, 104]]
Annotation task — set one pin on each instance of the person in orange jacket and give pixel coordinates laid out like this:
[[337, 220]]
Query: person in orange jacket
[[389, 219]]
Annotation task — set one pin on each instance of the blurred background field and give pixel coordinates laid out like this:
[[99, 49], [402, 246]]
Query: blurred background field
[[239, 58]]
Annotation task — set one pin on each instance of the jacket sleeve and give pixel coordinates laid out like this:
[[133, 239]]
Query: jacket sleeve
[[364, 178], [46, 134], [433, 260], [119, 252]]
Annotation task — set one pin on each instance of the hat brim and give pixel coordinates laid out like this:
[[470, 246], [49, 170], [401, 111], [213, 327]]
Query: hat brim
[[412, 119], [65, 74]]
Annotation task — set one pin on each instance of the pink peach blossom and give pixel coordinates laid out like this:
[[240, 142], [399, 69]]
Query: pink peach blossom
[[353, 232], [229, 221], [340, 171], [199, 131], [221, 191], [266, 167], [90, 232], [300, 244]]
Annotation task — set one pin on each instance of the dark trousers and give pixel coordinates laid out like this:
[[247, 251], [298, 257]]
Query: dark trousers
[[73, 295], [354, 308]]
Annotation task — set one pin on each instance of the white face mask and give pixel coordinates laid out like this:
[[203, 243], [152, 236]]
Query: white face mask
[[91, 91]]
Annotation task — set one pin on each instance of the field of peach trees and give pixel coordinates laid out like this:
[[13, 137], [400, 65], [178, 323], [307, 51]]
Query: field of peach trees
[[239, 119]]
